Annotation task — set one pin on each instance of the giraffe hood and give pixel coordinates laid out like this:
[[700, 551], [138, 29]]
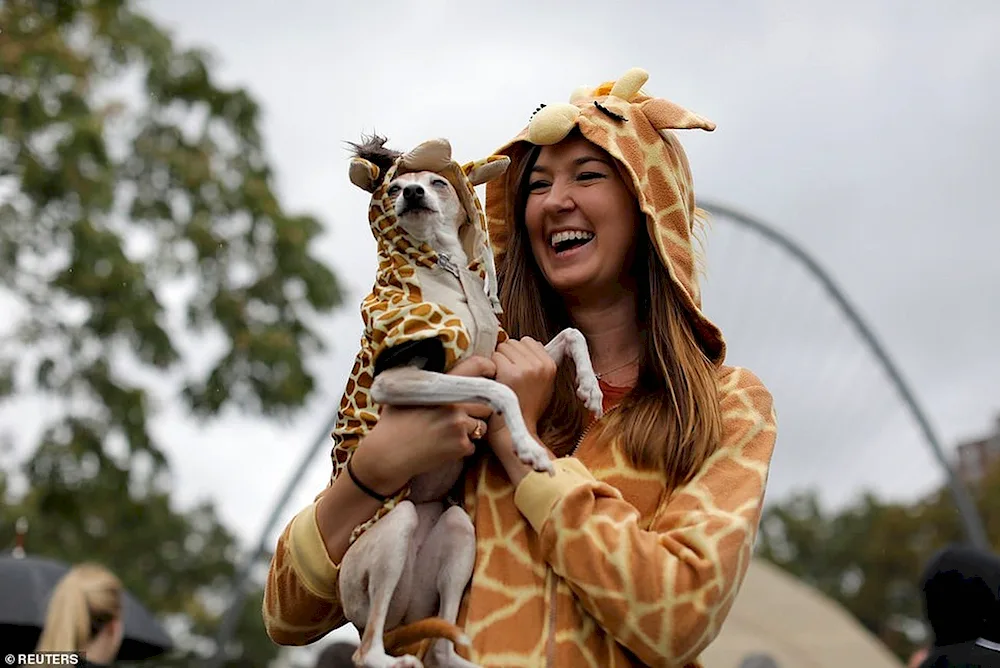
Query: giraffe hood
[[433, 156], [637, 130]]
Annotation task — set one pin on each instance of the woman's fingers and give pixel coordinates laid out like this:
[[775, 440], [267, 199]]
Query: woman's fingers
[[537, 350], [478, 429], [527, 355], [477, 410], [473, 429], [515, 352], [475, 365]]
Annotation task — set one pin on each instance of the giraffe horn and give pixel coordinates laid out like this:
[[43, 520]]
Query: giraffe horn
[[629, 84], [432, 156]]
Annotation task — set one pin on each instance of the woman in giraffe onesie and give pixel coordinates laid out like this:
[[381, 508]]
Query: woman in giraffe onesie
[[633, 552]]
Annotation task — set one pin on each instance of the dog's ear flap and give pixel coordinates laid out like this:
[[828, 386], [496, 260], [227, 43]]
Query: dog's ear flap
[[364, 174], [481, 171]]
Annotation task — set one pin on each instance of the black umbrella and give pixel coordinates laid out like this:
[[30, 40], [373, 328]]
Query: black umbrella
[[25, 586]]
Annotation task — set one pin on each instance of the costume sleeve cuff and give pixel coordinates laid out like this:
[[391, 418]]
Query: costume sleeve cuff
[[538, 492], [309, 557]]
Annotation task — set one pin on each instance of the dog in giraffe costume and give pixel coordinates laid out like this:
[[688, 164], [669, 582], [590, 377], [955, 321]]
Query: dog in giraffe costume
[[434, 302]]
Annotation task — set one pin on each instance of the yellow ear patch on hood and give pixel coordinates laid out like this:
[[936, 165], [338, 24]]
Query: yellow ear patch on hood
[[552, 123]]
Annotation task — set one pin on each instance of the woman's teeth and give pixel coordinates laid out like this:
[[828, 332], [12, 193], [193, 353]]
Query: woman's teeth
[[560, 240]]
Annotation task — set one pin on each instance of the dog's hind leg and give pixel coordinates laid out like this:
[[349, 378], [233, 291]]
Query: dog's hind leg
[[407, 386], [375, 584], [571, 342], [446, 560]]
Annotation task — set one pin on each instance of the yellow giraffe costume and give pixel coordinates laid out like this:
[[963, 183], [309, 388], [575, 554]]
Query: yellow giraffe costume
[[602, 564], [419, 294]]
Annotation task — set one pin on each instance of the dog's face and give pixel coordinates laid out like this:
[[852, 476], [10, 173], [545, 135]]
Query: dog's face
[[424, 201]]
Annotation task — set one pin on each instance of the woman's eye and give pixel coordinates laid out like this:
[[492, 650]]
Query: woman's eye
[[590, 176], [537, 185]]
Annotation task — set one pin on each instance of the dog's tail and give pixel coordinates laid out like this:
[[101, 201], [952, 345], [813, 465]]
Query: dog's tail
[[410, 639]]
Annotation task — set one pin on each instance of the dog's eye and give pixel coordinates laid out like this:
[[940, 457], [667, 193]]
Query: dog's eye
[[393, 191], [439, 183]]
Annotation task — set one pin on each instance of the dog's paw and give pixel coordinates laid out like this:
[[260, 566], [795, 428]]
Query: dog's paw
[[374, 660], [444, 656], [589, 392], [535, 456]]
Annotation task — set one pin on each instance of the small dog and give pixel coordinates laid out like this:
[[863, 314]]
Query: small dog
[[416, 561]]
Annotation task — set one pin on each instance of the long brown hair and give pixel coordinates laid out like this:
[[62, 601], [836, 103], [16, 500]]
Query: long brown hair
[[671, 419], [86, 599]]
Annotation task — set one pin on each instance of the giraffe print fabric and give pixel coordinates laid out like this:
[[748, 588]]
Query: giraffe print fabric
[[601, 564], [413, 297], [418, 294]]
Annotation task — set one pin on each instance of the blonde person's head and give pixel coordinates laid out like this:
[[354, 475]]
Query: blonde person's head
[[85, 603]]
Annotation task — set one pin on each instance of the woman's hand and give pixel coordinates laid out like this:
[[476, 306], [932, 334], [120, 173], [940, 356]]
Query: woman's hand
[[527, 369], [410, 440]]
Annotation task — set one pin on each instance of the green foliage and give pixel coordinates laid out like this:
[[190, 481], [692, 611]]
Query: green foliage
[[116, 202], [870, 555], [130, 180]]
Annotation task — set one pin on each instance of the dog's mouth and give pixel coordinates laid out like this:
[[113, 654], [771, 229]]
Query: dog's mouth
[[410, 208]]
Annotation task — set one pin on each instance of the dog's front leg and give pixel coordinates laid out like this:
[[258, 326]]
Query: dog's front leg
[[409, 386], [375, 583], [571, 342]]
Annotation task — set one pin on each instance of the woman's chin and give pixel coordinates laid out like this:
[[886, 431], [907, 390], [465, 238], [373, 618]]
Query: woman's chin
[[571, 280]]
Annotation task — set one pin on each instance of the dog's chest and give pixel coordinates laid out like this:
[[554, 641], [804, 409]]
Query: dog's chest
[[461, 291]]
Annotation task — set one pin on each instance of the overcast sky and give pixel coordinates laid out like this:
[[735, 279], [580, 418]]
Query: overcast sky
[[866, 131]]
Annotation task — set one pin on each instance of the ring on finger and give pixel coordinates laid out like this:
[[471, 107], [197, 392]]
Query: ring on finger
[[479, 431]]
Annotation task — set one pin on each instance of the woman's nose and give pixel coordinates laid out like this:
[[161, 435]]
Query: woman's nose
[[558, 199]]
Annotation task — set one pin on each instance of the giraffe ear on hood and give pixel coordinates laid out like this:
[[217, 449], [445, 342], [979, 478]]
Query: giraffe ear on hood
[[364, 174], [482, 171], [665, 115]]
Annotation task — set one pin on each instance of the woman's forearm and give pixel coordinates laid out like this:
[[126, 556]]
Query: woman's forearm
[[344, 505], [503, 448]]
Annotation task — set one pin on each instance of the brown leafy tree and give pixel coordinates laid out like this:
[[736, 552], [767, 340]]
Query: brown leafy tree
[[129, 176]]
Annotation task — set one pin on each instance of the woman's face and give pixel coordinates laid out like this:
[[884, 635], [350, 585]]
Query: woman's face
[[581, 219]]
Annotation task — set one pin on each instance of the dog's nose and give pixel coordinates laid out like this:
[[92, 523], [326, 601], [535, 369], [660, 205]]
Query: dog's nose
[[413, 192]]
